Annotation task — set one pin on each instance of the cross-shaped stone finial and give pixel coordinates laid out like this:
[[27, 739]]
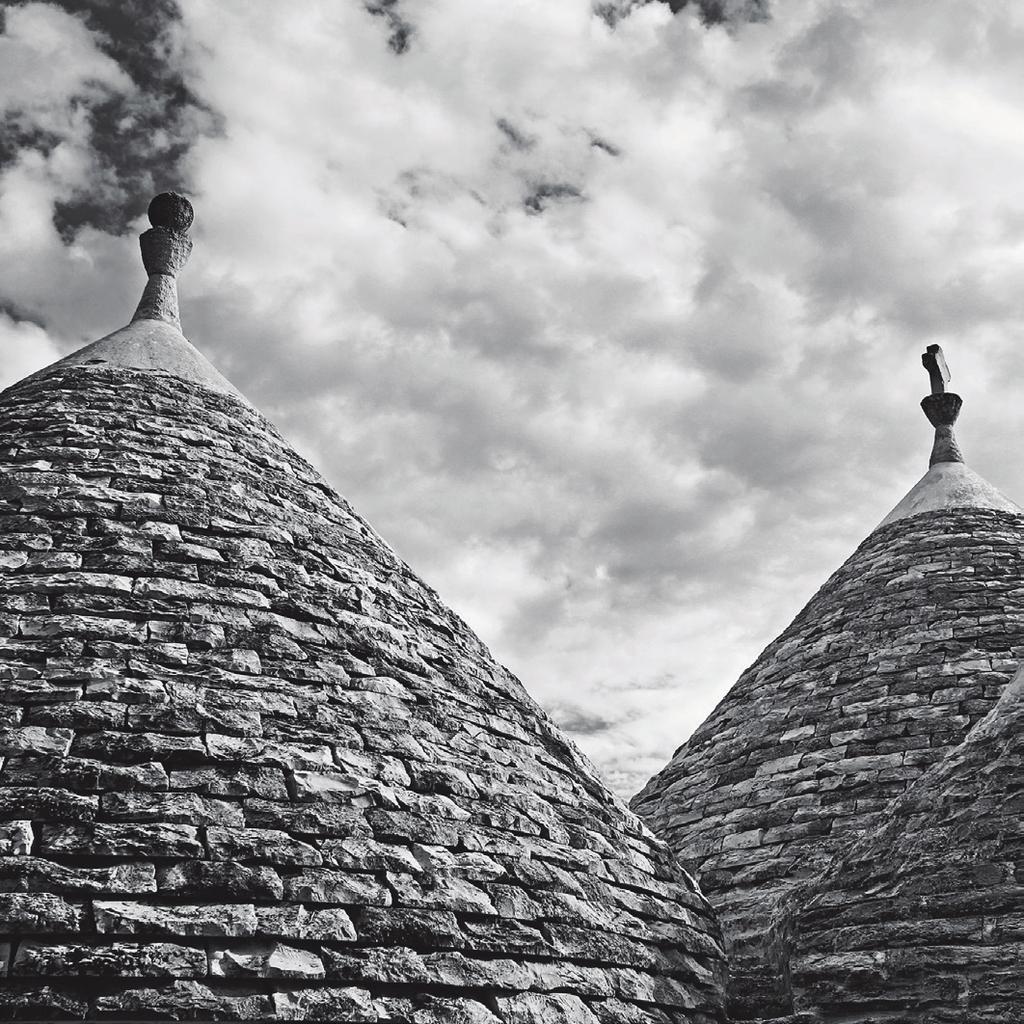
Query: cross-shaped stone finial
[[935, 363], [941, 407]]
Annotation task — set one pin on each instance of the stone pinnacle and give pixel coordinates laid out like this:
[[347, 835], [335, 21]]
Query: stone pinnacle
[[166, 248], [942, 408]]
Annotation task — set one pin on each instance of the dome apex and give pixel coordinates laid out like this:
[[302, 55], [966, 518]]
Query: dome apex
[[153, 341], [949, 482]]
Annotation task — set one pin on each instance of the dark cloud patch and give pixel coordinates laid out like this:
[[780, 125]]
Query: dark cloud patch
[[712, 12], [546, 193], [17, 134], [605, 146], [416, 189], [19, 314], [139, 138], [579, 721], [400, 29], [516, 138], [715, 12], [610, 13]]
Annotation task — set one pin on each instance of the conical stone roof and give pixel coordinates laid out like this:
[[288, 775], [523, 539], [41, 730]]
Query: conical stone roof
[[907, 646], [254, 769], [921, 921]]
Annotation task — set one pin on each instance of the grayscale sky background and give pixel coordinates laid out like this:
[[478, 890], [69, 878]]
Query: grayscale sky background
[[608, 320]]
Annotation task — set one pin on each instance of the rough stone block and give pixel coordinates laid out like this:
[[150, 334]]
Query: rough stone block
[[34, 874], [351, 1005], [452, 1011], [236, 781], [165, 718], [128, 691], [84, 626], [121, 960], [461, 973], [185, 1000], [265, 960], [367, 855], [531, 1008], [336, 787], [292, 921], [333, 820], [41, 1004], [253, 845], [123, 840], [77, 714], [220, 880], [43, 804], [16, 838], [82, 775], [181, 808], [138, 748], [234, 919], [38, 914], [230, 718], [414, 929], [267, 753], [332, 887], [505, 937], [439, 892], [35, 740], [615, 1011], [22, 685]]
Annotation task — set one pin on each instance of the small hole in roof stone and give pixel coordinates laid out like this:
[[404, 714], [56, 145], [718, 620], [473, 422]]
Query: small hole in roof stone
[[90, 361]]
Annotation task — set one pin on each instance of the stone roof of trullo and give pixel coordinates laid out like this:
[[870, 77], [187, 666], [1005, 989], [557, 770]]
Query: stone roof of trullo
[[921, 918], [907, 646], [254, 769]]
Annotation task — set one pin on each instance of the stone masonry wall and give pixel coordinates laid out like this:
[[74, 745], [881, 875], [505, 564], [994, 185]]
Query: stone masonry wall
[[923, 921], [253, 769], [904, 648]]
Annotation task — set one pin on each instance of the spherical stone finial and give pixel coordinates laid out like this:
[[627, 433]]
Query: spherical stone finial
[[171, 211]]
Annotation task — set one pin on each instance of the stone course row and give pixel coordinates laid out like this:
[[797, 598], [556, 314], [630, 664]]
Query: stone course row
[[906, 647], [253, 769]]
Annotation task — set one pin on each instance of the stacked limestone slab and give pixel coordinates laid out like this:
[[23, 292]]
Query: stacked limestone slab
[[923, 921], [906, 647], [253, 768]]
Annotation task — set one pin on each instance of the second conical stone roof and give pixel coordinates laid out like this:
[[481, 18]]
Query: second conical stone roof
[[254, 769], [906, 647], [922, 918]]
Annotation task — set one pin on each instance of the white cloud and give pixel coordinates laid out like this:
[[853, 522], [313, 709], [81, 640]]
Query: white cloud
[[52, 72], [614, 334], [24, 348], [51, 69]]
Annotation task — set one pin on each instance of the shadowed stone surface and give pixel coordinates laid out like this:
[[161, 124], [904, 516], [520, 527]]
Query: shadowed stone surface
[[882, 674], [253, 769], [923, 920]]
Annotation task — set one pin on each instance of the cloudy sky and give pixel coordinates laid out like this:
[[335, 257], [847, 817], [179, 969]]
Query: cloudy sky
[[607, 316]]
